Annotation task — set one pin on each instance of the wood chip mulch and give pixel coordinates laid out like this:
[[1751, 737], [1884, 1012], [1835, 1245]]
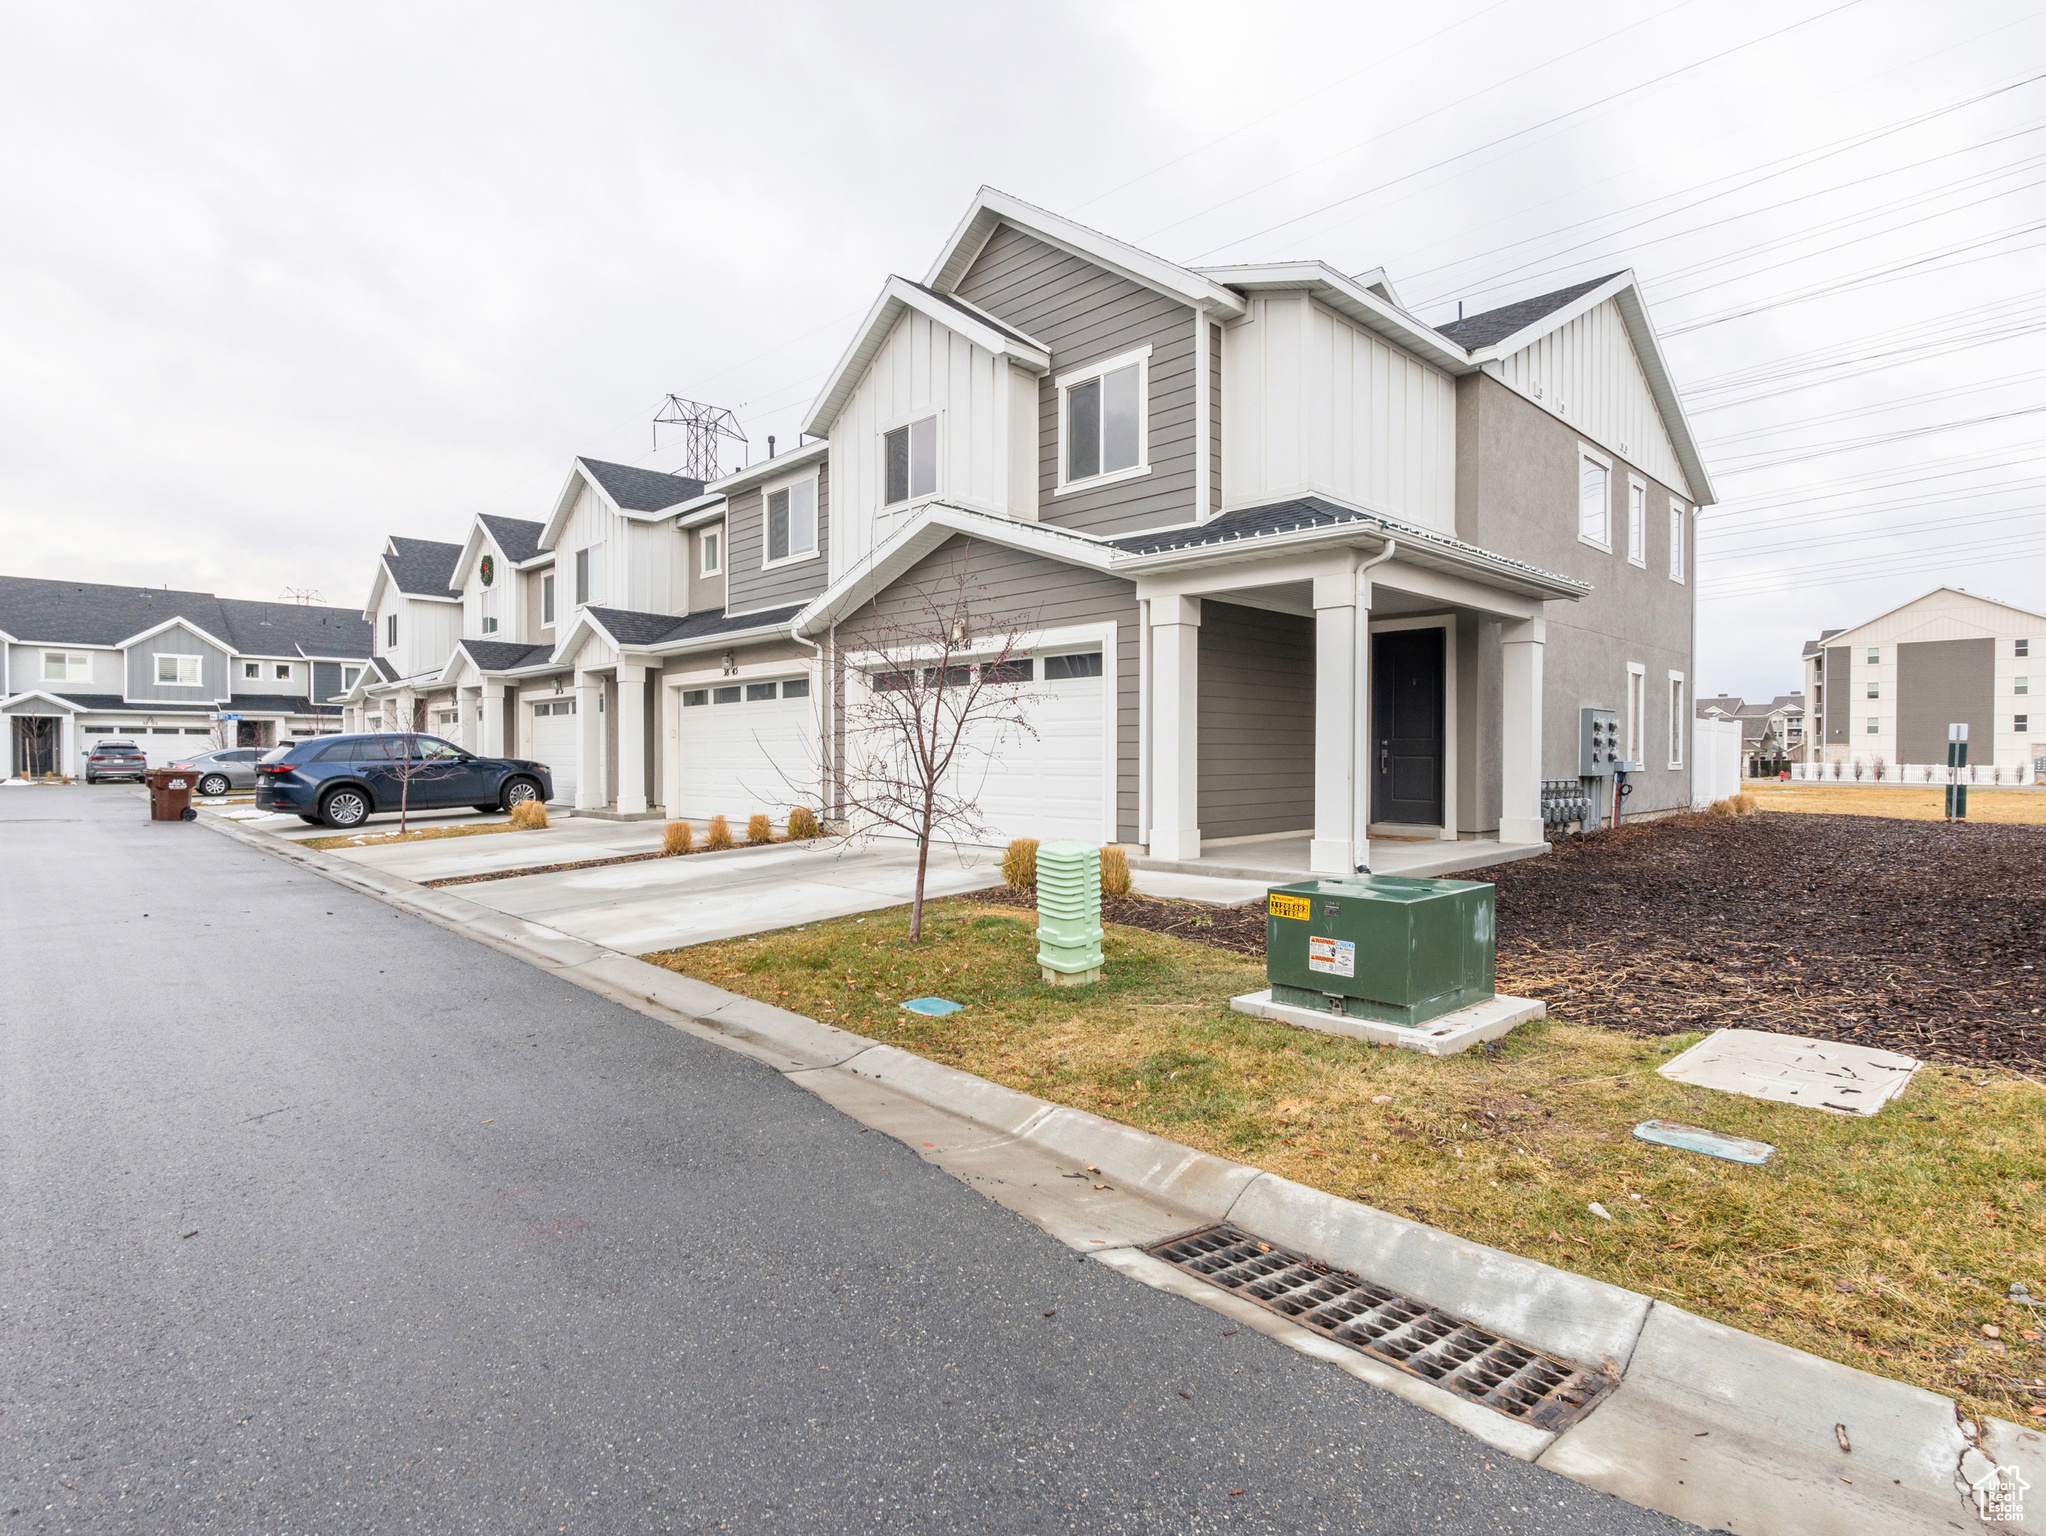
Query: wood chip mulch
[[1910, 936]]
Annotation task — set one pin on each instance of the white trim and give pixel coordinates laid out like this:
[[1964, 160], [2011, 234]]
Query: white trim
[[711, 536], [1680, 712], [1586, 451], [755, 474], [1680, 529], [198, 668], [1637, 538], [906, 422], [705, 509], [43, 664], [1140, 357], [1204, 402], [1634, 729], [1354, 301], [157, 629]]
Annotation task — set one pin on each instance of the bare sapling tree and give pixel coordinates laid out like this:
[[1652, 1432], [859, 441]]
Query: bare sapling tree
[[936, 690], [416, 756]]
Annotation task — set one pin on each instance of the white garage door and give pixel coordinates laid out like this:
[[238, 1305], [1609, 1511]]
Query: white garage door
[[1052, 784], [164, 745], [554, 744], [747, 747]]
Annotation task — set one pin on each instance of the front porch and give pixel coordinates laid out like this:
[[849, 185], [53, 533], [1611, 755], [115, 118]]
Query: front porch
[[1330, 709]]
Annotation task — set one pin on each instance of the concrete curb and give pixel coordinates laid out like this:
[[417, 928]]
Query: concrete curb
[[1709, 1424]]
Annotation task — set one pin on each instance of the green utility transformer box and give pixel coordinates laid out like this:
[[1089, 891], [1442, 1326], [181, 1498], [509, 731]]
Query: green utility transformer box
[[1381, 946]]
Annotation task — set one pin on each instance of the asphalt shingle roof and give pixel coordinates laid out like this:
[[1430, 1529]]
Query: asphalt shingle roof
[[113, 701], [1243, 523], [629, 628], [423, 567], [503, 655], [1492, 325], [641, 490], [94, 613], [385, 670], [975, 315], [519, 539]]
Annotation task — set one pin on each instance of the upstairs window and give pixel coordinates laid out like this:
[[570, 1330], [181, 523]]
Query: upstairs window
[[177, 671], [252, 669], [909, 456], [283, 671], [1875, 656], [1637, 523], [2022, 648], [67, 667], [792, 522], [391, 630], [712, 541], [1676, 541], [1594, 502], [348, 677], [547, 599], [1102, 421], [488, 608], [589, 575]]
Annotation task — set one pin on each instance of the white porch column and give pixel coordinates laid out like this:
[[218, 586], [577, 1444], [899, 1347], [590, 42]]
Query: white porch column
[[631, 739], [589, 742], [1175, 727], [1520, 733], [469, 726], [495, 742], [407, 704], [1342, 624]]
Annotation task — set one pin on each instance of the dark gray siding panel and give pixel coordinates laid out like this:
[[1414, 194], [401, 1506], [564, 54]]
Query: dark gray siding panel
[[141, 669], [748, 588], [1840, 703], [1029, 589], [326, 680], [1085, 314], [1214, 418], [1256, 721], [1940, 683]]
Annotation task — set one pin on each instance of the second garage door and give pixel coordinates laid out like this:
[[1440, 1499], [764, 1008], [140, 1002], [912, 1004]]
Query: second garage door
[[554, 744], [747, 747]]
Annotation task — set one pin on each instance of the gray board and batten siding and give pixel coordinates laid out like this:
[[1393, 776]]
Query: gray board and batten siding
[[748, 588], [1940, 683], [1086, 314], [1256, 721], [142, 685], [1028, 589]]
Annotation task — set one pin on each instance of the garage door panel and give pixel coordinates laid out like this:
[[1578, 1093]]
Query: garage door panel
[[554, 743], [739, 756]]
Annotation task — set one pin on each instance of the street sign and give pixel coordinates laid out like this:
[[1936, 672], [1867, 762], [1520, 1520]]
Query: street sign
[[227, 717]]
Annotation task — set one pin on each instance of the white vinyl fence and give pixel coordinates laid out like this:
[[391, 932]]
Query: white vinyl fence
[[1715, 761], [1987, 774]]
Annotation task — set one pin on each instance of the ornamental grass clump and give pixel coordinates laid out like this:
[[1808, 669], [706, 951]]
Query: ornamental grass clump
[[718, 835], [679, 837], [1019, 864], [802, 823], [1115, 872], [759, 829], [529, 816]]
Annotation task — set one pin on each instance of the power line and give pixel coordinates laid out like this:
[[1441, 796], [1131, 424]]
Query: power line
[[1732, 594], [1776, 428]]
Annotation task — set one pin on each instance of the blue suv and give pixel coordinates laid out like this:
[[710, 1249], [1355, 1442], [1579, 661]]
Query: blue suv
[[342, 780]]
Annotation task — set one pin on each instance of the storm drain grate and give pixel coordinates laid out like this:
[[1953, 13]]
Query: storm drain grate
[[1457, 1356]]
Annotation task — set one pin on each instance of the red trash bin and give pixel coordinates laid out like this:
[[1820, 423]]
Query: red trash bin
[[170, 794]]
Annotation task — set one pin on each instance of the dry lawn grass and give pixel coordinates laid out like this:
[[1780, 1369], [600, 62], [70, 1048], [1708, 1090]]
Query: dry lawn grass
[[1906, 802], [1885, 1243], [423, 835]]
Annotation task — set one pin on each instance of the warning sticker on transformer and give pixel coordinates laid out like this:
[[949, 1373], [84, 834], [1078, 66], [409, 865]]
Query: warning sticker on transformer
[[1291, 906], [1332, 957]]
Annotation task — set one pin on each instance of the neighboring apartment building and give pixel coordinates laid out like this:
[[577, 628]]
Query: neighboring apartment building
[[1889, 688], [1769, 732], [1294, 561], [176, 672]]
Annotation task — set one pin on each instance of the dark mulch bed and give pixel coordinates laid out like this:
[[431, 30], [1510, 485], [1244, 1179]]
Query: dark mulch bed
[[1910, 936]]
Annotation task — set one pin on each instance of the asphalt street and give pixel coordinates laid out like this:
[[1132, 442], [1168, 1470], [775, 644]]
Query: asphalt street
[[321, 1219]]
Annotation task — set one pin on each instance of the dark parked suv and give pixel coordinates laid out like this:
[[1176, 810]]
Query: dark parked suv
[[115, 760], [341, 780]]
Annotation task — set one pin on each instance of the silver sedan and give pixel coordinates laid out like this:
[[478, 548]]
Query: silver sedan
[[229, 768]]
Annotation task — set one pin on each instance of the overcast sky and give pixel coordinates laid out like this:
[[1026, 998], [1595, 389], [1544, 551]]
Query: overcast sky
[[276, 282]]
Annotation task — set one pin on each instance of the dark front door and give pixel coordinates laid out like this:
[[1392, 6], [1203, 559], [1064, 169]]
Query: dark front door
[[1407, 726]]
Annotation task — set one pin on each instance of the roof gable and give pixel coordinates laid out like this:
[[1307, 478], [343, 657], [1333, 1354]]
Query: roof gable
[[899, 296], [1944, 613], [1489, 327], [517, 537], [422, 567], [178, 621], [640, 494]]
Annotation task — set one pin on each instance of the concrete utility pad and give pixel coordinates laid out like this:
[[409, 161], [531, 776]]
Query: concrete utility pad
[[1446, 1035], [667, 903], [1789, 1069]]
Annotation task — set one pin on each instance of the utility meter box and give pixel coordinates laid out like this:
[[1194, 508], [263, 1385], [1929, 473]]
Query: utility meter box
[[1598, 748], [1380, 946]]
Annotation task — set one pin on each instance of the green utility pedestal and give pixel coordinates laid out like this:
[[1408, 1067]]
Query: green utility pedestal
[[1069, 913], [1380, 946]]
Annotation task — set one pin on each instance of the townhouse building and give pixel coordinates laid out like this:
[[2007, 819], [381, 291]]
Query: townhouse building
[[175, 672], [1887, 689], [1293, 563]]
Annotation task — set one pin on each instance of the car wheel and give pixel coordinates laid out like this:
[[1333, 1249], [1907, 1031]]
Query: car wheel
[[90, 779], [213, 784], [518, 792], [311, 821], [345, 808]]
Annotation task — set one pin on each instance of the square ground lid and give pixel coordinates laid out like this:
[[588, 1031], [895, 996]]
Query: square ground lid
[[1789, 1069]]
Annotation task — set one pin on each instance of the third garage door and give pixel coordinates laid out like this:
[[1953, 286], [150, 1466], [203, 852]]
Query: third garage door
[[554, 744], [747, 747]]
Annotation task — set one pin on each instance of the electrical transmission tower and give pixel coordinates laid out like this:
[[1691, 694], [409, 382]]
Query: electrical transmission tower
[[307, 595], [702, 426]]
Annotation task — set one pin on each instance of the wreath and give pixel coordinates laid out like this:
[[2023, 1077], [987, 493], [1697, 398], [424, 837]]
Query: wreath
[[489, 570]]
